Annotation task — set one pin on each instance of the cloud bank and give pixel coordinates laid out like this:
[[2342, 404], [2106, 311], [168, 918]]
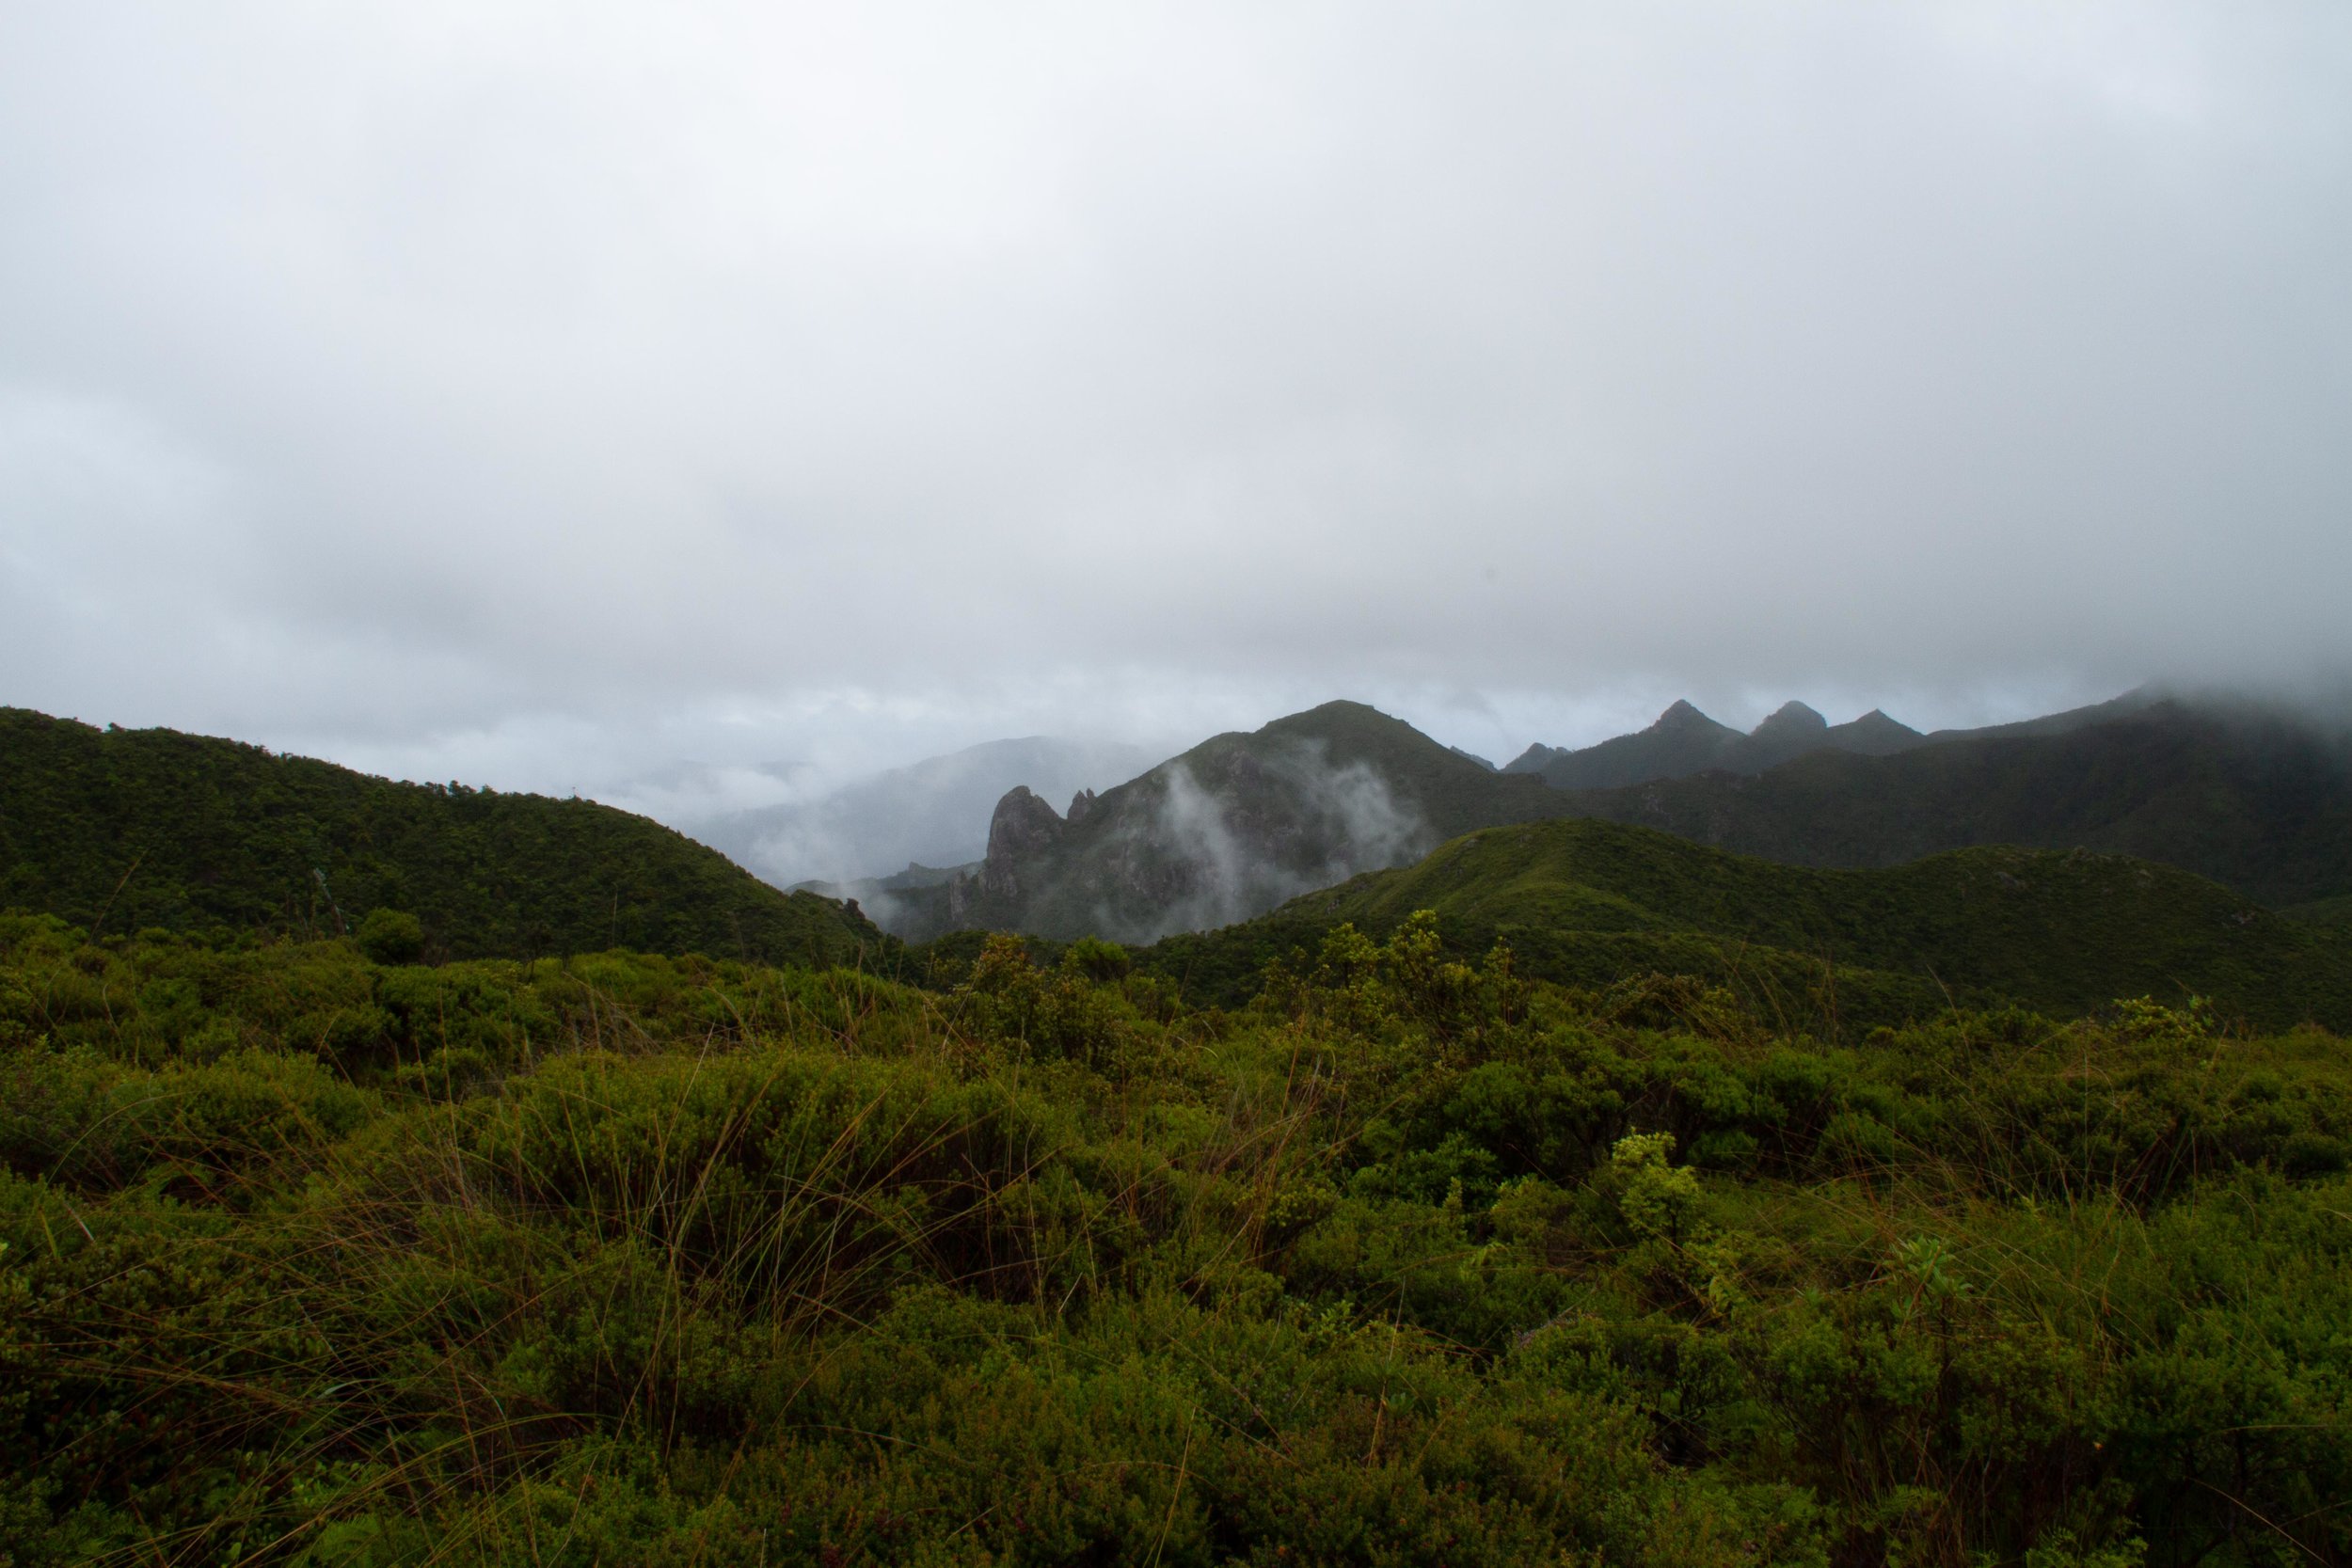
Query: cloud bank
[[544, 393]]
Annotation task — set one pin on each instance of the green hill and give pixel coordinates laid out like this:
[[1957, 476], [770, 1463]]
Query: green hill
[[1589, 902], [125, 829]]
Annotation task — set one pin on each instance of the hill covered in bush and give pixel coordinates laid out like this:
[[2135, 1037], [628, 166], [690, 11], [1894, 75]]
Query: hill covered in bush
[[124, 830], [1588, 903], [624, 1258]]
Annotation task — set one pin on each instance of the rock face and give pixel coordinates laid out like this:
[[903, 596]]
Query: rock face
[[1080, 804], [1023, 829]]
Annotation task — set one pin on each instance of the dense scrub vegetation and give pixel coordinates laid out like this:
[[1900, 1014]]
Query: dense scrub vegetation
[[624, 1258], [127, 830]]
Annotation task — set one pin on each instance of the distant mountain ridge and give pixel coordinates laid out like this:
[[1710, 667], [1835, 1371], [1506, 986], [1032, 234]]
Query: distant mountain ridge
[[1233, 828], [132, 828], [1683, 742], [2254, 798]]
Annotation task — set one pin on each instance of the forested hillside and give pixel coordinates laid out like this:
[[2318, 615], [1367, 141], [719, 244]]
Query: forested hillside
[[1589, 903], [124, 830]]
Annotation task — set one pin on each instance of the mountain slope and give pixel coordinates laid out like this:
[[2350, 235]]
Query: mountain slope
[[2252, 799], [1588, 902], [1226, 830], [151, 828]]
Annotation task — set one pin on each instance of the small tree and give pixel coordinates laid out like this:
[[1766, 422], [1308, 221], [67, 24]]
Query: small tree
[[391, 937]]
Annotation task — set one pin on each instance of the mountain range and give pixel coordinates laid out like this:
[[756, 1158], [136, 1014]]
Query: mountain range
[[1684, 741], [2061, 865], [2253, 798], [2249, 796]]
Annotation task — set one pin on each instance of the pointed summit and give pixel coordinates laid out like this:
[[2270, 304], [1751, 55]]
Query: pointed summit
[[1792, 730], [1875, 735], [1791, 718], [1682, 715]]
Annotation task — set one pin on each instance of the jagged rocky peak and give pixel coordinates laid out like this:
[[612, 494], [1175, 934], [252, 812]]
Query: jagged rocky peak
[[1080, 804], [1791, 718], [1684, 715], [1023, 826], [1021, 823]]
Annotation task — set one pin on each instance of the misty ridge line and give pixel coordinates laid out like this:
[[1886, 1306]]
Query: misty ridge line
[[1246, 822], [838, 839], [841, 839]]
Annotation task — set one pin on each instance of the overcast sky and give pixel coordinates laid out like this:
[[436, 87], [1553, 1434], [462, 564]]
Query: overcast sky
[[546, 394]]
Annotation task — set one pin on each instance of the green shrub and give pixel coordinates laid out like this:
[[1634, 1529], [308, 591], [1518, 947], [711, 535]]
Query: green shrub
[[391, 937]]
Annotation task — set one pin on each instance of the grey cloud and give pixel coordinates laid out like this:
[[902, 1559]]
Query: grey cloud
[[557, 392]]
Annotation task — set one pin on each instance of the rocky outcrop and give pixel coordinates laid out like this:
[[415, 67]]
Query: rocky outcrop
[[1080, 804], [1023, 829]]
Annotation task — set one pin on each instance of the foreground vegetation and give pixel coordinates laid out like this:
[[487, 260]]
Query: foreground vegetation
[[624, 1258]]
